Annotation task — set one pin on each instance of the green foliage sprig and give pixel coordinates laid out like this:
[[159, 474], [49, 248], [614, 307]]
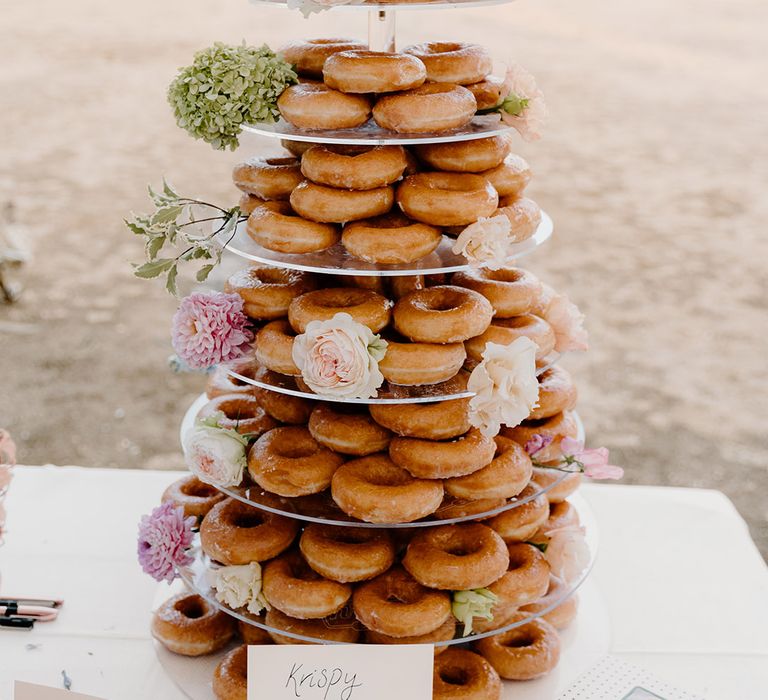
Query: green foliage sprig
[[226, 87], [175, 222]]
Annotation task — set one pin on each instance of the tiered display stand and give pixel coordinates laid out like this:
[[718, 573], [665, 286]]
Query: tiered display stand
[[584, 641]]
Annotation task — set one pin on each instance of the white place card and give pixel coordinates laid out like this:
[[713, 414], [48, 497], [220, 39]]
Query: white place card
[[340, 672], [32, 691]]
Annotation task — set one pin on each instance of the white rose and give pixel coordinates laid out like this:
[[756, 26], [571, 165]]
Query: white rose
[[486, 242], [568, 323], [505, 386], [340, 357], [239, 586], [215, 455], [567, 552]]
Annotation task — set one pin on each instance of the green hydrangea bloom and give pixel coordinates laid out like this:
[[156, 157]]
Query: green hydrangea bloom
[[226, 87]]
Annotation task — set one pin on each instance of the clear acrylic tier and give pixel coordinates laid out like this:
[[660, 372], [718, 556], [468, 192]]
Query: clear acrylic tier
[[371, 134], [336, 260], [197, 577], [321, 508]]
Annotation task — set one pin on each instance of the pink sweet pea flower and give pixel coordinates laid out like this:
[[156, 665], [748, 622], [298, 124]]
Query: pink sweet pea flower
[[537, 443], [593, 462]]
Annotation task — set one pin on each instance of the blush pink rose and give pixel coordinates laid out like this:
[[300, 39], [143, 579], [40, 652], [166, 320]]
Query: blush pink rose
[[567, 552], [485, 243], [210, 328], [568, 324], [521, 87]]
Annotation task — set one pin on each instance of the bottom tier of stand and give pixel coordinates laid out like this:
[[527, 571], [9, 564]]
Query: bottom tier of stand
[[586, 640]]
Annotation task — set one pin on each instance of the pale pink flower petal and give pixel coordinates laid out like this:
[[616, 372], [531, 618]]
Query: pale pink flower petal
[[210, 328], [7, 448], [568, 323], [537, 443], [485, 243], [567, 552], [530, 122]]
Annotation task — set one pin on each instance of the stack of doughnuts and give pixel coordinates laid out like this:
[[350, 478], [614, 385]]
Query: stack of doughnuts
[[386, 204], [427, 88]]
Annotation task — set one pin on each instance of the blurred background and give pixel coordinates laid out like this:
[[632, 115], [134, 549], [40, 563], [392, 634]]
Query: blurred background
[[654, 168]]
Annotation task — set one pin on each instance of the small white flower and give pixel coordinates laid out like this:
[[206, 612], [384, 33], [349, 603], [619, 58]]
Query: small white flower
[[485, 243], [215, 455], [467, 605], [239, 586], [340, 357], [505, 386]]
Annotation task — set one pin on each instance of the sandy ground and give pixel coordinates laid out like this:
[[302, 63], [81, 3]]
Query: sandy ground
[[654, 170]]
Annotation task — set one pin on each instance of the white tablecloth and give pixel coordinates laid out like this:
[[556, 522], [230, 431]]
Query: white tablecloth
[[686, 589]]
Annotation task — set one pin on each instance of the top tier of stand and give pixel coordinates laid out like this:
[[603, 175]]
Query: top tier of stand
[[370, 134]]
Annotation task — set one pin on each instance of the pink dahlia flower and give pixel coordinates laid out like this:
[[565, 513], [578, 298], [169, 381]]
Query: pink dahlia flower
[[210, 328], [164, 537]]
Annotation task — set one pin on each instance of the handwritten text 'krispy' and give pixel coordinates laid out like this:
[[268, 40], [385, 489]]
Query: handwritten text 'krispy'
[[327, 683]]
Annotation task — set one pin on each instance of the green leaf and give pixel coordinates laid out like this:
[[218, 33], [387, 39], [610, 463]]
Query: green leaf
[[170, 282], [154, 268], [169, 191], [203, 272], [154, 246], [167, 214], [135, 227]]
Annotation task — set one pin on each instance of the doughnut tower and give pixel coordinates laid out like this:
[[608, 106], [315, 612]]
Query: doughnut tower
[[384, 517]]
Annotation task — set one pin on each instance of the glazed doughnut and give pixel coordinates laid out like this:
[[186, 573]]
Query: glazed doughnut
[[251, 634], [195, 496], [564, 486], [452, 507], [557, 427], [456, 557], [292, 587], [274, 348], [390, 239], [522, 653], [526, 579], [354, 167], [524, 215], [488, 92], [362, 71], [374, 284], [501, 615], [521, 522], [444, 633], [509, 178], [235, 533], [364, 306], [511, 290], [337, 628], [330, 205], [275, 226], [505, 331], [453, 62], [438, 420], [475, 156], [268, 178], [431, 108], [557, 393], [376, 490], [417, 364], [296, 148], [346, 430], [308, 56], [220, 381], [290, 462], [242, 413], [397, 605], [247, 203], [447, 199], [347, 554], [267, 291], [442, 314], [506, 476], [405, 284], [282, 407], [432, 459], [188, 624], [460, 674], [563, 613], [561, 514], [230, 679], [316, 106]]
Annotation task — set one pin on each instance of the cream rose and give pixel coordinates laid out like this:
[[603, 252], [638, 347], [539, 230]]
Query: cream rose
[[215, 455], [340, 357], [486, 242], [567, 552], [505, 386], [568, 323], [523, 107], [239, 586]]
